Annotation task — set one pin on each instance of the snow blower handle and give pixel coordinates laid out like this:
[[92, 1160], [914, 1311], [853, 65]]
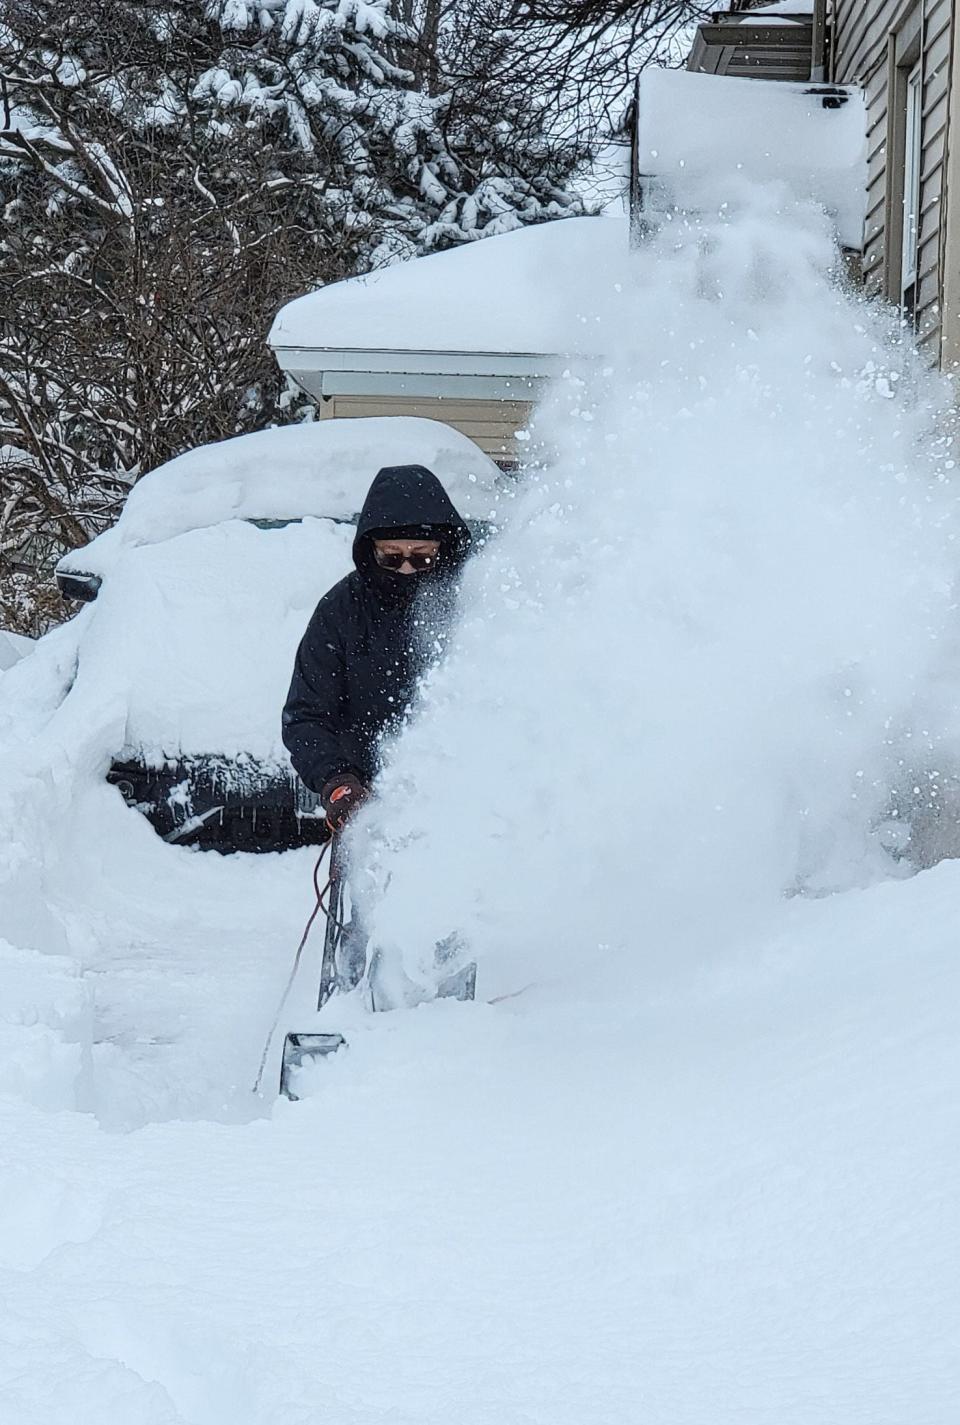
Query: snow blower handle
[[320, 892], [340, 798]]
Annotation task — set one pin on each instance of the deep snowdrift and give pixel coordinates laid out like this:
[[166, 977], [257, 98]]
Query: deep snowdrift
[[697, 1163], [728, 1194]]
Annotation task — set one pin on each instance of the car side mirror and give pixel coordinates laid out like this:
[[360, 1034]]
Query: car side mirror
[[81, 588]]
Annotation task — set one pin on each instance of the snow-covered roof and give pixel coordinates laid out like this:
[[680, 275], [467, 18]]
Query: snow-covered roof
[[524, 292], [695, 127], [323, 469], [799, 9]]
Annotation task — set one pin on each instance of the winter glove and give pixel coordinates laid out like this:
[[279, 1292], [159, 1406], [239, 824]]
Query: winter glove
[[340, 797]]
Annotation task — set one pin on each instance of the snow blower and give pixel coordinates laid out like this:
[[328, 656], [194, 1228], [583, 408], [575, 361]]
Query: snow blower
[[342, 968]]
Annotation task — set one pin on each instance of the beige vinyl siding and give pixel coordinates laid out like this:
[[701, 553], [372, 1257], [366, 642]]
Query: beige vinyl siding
[[864, 41], [873, 228], [937, 39], [492, 424], [860, 30]]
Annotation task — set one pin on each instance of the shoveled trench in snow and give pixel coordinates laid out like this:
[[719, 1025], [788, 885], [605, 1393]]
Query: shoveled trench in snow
[[700, 1164]]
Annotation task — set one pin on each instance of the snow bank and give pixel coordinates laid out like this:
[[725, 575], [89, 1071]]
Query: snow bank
[[320, 469], [729, 1195], [44, 1027], [530, 291], [705, 132]]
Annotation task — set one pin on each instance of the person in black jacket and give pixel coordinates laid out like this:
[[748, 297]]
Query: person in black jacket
[[373, 635]]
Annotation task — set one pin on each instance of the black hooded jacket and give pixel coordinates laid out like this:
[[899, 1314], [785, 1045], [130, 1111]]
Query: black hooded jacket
[[374, 634]]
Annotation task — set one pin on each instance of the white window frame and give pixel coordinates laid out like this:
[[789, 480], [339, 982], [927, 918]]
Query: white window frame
[[912, 163]]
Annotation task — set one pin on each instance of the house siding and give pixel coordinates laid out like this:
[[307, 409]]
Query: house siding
[[950, 222], [493, 425], [864, 41]]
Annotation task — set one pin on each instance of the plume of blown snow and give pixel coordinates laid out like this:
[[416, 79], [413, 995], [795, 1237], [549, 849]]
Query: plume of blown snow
[[686, 666]]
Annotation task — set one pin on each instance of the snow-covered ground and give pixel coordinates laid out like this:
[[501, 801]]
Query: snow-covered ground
[[692, 1160], [672, 1193]]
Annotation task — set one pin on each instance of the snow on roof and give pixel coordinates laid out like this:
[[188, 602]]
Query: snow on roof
[[695, 127], [323, 468], [747, 16], [791, 8], [526, 291]]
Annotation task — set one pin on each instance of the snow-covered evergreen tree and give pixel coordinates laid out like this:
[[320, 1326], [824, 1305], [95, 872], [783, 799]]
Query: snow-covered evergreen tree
[[169, 175]]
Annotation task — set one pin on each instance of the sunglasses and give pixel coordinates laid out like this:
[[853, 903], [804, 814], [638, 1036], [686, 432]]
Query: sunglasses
[[420, 562]]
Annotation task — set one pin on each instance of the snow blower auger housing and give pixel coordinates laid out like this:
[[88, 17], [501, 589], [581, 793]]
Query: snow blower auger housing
[[300, 1049]]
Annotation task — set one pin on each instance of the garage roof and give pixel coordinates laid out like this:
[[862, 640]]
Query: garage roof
[[489, 318]]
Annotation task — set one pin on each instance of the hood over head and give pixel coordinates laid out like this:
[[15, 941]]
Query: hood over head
[[408, 502]]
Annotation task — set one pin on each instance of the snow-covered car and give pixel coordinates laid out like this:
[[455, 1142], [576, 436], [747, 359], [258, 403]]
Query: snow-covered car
[[199, 595]]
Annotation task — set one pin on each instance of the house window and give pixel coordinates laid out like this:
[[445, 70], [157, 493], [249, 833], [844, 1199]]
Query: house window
[[912, 159]]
